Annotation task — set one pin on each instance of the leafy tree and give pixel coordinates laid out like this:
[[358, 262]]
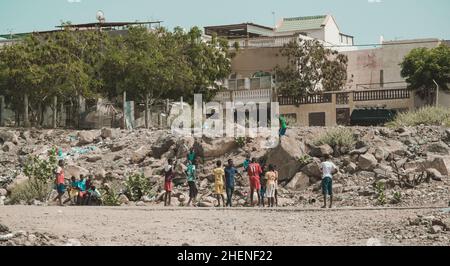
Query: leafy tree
[[421, 66], [311, 68]]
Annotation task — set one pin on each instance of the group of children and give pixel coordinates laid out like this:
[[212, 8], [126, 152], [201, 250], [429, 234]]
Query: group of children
[[263, 181], [80, 192]]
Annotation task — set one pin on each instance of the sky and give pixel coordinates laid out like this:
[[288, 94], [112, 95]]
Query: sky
[[366, 20]]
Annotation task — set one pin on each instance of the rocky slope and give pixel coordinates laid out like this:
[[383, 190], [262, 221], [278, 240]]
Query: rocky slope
[[413, 164]]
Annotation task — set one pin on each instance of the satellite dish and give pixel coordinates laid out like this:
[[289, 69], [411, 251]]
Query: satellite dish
[[100, 16]]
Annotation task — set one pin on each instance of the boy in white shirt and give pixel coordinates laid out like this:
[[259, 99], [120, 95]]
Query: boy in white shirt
[[328, 168]]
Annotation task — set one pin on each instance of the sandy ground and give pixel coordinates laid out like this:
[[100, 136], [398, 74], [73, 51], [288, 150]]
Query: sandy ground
[[178, 226]]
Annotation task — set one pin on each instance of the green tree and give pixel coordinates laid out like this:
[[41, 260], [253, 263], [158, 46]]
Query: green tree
[[422, 66], [310, 68]]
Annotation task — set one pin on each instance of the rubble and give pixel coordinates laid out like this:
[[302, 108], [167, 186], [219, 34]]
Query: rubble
[[112, 155]]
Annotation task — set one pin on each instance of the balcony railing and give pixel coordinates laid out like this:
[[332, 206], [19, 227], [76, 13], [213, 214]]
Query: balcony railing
[[244, 96], [379, 95], [276, 41], [309, 99], [342, 98], [250, 83]]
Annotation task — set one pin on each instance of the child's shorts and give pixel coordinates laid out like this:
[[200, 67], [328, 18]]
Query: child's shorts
[[327, 186]]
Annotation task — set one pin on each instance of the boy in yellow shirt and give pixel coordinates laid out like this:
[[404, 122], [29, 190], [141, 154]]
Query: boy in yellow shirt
[[219, 175]]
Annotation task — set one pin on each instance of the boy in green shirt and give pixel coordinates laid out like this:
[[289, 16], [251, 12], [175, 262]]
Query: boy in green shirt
[[191, 178]]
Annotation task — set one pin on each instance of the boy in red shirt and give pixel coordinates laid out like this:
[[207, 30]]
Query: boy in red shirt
[[254, 171]]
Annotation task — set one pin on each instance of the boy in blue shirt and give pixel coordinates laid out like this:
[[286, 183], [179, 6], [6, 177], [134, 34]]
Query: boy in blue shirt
[[230, 173]]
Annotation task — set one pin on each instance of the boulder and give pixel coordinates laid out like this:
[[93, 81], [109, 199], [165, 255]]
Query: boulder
[[313, 170], [380, 154], [141, 204], [85, 137], [123, 199], [299, 182], [161, 146], [3, 192], [99, 173], [183, 145], [439, 148], [440, 163], [367, 162], [118, 146], [20, 179], [286, 156], [337, 188], [8, 147], [94, 158], [108, 133], [434, 174], [359, 151], [8, 136], [218, 147], [139, 155], [321, 151], [435, 229], [350, 168], [74, 170]]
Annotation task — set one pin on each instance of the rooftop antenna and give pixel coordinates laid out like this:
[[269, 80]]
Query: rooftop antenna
[[100, 16]]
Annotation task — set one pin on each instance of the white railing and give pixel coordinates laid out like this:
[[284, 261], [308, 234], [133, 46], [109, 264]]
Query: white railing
[[277, 41], [244, 96], [249, 83]]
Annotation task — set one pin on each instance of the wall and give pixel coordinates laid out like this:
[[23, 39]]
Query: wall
[[332, 34], [250, 60]]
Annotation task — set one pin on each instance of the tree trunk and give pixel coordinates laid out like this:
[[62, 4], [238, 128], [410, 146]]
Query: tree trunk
[[61, 111], [40, 115], [79, 111], [55, 108], [146, 111], [124, 110], [26, 121], [2, 111]]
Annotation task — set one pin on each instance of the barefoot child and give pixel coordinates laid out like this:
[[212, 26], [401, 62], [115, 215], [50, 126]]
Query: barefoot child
[[59, 182], [328, 168], [169, 175], [254, 172], [230, 173], [263, 181], [191, 178], [73, 191], [219, 175], [271, 177]]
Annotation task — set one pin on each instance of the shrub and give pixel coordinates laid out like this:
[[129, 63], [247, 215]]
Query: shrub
[[241, 141], [305, 160], [137, 186], [33, 189], [397, 197], [40, 173], [381, 196], [337, 137], [110, 197], [429, 116]]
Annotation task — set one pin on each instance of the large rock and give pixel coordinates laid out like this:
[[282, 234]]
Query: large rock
[[184, 144], [20, 179], [74, 170], [94, 158], [8, 136], [439, 148], [8, 147], [299, 182], [139, 155], [218, 147], [359, 151], [440, 163], [313, 171], [85, 137], [123, 199], [286, 157], [161, 146], [434, 174], [367, 162], [118, 146], [321, 151], [108, 133], [3, 192]]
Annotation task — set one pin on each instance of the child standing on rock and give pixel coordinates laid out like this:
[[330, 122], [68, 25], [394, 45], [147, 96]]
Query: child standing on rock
[[219, 175], [169, 175], [191, 178]]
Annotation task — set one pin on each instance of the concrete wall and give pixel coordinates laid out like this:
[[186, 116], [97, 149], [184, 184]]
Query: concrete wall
[[250, 60], [332, 33]]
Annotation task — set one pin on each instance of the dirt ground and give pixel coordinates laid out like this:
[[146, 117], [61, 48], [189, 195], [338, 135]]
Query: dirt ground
[[186, 226]]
